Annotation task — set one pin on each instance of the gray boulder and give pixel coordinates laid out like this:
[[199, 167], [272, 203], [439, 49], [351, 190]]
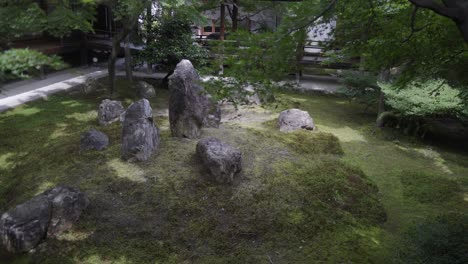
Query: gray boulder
[[109, 112], [145, 90], [295, 119], [222, 160], [93, 140], [23, 227], [140, 136], [189, 103], [67, 205], [50, 213]]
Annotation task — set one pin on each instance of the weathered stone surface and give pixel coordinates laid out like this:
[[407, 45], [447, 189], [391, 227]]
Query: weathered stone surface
[[295, 119], [67, 205], [221, 159], [140, 136], [145, 90], [23, 227], [50, 213], [109, 112], [93, 140], [189, 104]]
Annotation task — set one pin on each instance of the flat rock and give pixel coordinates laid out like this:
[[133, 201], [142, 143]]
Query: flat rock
[[48, 214], [222, 160], [25, 226], [140, 136], [67, 205], [93, 140], [109, 112], [295, 119]]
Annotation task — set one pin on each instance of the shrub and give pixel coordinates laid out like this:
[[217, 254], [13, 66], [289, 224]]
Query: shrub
[[428, 98], [360, 87], [24, 63]]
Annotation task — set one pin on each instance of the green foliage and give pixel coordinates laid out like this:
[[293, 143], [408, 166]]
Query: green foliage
[[360, 87], [25, 16], [24, 63], [169, 41], [256, 60], [385, 35], [427, 98]]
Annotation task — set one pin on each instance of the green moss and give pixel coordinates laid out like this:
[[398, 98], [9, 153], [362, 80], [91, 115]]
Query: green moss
[[429, 188], [301, 196]]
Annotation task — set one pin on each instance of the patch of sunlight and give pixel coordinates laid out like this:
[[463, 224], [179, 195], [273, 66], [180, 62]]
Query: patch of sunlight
[[45, 186], [297, 99], [436, 157], [95, 259], [74, 235], [24, 111], [4, 163], [370, 234], [344, 134], [59, 131], [465, 197], [83, 117], [71, 103], [127, 170]]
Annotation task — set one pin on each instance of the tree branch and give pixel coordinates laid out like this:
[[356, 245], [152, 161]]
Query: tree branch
[[450, 12]]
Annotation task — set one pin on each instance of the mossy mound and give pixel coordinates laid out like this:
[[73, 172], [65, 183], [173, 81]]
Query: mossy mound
[[294, 201]]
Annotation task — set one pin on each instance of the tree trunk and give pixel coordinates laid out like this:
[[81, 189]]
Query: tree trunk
[[384, 76], [115, 48], [235, 16], [221, 36], [128, 59], [149, 22]]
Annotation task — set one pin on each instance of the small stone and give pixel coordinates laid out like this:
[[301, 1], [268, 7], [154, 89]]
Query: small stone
[[145, 90], [109, 112], [221, 159], [93, 140], [295, 119]]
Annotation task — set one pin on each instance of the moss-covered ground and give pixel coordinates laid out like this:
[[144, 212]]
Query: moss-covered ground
[[347, 193]]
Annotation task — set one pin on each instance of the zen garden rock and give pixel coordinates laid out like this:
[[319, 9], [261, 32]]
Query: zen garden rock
[[295, 119], [93, 140], [109, 112], [145, 90], [190, 107], [221, 159], [140, 136], [48, 214]]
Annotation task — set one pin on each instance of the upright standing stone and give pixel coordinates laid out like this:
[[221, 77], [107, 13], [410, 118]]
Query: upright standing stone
[[221, 159], [109, 111], [189, 104], [140, 136], [295, 119]]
